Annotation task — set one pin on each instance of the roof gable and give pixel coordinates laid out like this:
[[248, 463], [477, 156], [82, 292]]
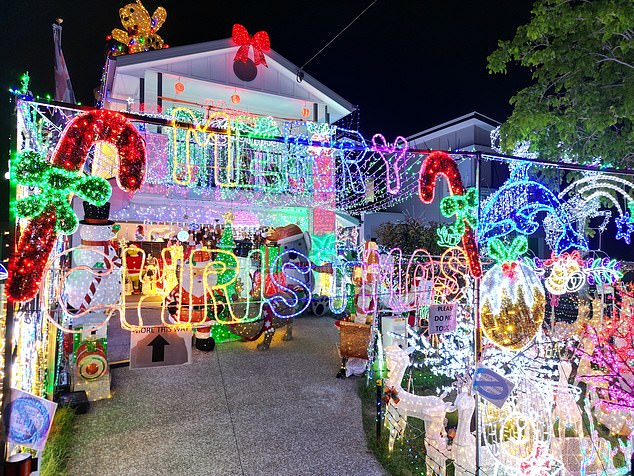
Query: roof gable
[[206, 71]]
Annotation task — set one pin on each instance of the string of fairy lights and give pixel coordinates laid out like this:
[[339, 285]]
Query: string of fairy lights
[[528, 305]]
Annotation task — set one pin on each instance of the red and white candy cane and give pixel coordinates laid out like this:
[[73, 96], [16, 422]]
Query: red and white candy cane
[[81, 133], [440, 163]]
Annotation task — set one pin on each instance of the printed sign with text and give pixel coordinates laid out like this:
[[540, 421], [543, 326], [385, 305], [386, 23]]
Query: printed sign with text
[[29, 419], [158, 346], [442, 318]]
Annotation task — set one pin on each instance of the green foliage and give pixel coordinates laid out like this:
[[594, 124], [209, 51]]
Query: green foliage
[[56, 453], [409, 236], [581, 106]]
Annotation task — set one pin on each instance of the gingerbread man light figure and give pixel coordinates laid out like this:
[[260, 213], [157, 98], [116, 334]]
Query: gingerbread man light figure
[[140, 29]]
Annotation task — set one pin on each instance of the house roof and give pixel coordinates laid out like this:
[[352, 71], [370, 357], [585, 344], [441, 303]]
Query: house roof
[[469, 131], [473, 118], [208, 67]]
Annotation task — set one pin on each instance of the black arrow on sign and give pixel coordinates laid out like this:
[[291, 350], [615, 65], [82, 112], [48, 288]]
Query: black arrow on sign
[[158, 348]]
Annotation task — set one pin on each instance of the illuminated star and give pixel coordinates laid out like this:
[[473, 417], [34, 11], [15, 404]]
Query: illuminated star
[[228, 216], [625, 227]]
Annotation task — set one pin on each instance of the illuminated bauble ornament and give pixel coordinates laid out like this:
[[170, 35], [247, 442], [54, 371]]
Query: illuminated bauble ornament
[[179, 87], [183, 236], [519, 433], [512, 305], [235, 98], [305, 112]]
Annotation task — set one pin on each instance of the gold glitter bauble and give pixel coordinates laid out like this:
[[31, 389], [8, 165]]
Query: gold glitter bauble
[[512, 309]]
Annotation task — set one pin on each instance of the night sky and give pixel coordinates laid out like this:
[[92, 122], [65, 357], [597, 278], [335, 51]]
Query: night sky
[[408, 65]]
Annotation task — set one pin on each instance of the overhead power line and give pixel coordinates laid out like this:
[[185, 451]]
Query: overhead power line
[[300, 71]]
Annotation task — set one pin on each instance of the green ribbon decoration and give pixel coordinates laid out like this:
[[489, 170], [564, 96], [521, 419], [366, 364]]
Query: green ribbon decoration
[[502, 253], [465, 208], [55, 184]]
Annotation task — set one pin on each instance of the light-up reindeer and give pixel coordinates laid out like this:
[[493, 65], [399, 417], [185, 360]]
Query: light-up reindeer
[[431, 409], [566, 409], [463, 450]]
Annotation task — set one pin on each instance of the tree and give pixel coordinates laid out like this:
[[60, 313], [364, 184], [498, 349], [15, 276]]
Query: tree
[[409, 236], [227, 244], [581, 106], [609, 347]]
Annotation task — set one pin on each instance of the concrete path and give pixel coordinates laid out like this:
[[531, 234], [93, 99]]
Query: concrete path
[[234, 411]]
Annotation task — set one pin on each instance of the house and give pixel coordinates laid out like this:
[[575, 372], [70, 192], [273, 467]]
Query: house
[[469, 133], [194, 175]]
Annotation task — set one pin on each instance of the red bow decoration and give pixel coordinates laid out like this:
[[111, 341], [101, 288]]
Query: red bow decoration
[[509, 269], [260, 43], [391, 393]]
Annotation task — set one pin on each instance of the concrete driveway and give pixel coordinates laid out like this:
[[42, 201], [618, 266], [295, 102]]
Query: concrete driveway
[[234, 411]]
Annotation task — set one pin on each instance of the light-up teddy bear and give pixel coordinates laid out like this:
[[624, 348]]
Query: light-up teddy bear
[[140, 29]]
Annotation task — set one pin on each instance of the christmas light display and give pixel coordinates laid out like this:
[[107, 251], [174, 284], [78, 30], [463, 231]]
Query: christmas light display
[[272, 171], [430, 409], [514, 207], [295, 294], [625, 227], [37, 240], [259, 42], [440, 163], [592, 187], [393, 164], [140, 29], [512, 298], [610, 347], [55, 185], [465, 208]]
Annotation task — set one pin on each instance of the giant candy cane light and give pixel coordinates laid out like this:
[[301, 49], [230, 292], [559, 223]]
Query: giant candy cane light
[[439, 163], [81, 133]]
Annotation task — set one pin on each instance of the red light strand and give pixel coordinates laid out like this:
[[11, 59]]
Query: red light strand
[[38, 239], [440, 163]]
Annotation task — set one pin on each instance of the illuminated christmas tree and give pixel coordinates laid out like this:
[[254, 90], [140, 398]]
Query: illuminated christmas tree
[[227, 244]]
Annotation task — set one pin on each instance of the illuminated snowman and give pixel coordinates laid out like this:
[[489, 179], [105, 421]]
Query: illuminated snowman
[[512, 298], [102, 286], [190, 301]]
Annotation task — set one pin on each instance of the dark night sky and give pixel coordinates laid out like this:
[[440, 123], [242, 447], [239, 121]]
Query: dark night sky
[[408, 65]]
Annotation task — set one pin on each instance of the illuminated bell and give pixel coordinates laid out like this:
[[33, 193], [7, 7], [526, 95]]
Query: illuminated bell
[[179, 87], [235, 98], [512, 307], [305, 112]]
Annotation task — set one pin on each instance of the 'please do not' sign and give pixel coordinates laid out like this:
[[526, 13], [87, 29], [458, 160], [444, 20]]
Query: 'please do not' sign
[[442, 318]]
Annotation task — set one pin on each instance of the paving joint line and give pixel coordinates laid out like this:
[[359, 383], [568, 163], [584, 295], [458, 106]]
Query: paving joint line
[[233, 427]]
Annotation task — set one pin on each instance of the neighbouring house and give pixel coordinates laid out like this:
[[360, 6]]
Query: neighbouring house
[[469, 133]]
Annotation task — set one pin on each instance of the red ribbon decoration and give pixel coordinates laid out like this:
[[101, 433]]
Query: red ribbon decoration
[[510, 269], [391, 393], [260, 43]]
